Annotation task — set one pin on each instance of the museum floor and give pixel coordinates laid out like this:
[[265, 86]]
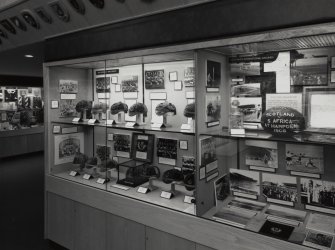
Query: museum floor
[[22, 204]]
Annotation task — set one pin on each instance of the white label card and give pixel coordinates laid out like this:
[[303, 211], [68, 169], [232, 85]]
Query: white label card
[[76, 120], [92, 121], [69, 130], [73, 173], [142, 190], [87, 176], [143, 137], [103, 95], [130, 124], [120, 187], [185, 127], [141, 155], [54, 104], [110, 122], [68, 96], [166, 195], [110, 137], [166, 161], [157, 125], [101, 181], [188, 199], [237, 131]]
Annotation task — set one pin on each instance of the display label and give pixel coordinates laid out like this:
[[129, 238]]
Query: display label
[[110, 122], [107, 72], [237, 131], [103, 95], [92, 121], [188, 199], [87, 177], [76, 120], [69, 130], [166, 195], [73, 173], [120, 187], [101, 181], [142, 190], [68, 96], [185, 127], [130, 124], [166, 161], [157, 125]]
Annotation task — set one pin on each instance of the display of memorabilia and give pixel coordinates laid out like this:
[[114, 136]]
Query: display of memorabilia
[[213, 73], [66, 147], [250, 107], [154, 79], [276, 230], [129, 84], [142, 147], [221, 188], [213, 108], [319, 240], [167, 151], [244, 183]]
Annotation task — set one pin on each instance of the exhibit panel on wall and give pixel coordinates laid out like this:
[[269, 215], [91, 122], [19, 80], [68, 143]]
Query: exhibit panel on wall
[[126, 126]]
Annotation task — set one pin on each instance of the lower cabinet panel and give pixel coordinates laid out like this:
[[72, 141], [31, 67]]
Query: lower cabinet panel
[[156, 239], [123, 234], [90, 228], [60, 220]]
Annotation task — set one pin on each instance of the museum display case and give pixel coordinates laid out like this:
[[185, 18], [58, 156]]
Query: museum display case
[[126, 126], [242, 134], [268, 160], [21, 107]]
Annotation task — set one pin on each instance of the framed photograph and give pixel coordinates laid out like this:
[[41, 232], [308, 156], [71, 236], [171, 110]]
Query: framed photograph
[[130, 84], [332, 76], [122, 145], [250, 107], [261, 155], [66, 146], [183, 145], [67, 108], [103, 84], [189, 76], [114, 80], [245, 68], [117, 87], [68, 86], [154, 79], [11, 95], [304, 158], [221, 189], [319, 240], [207, 151], [213, 73], [332, 62], [56, 129], [280, 189], [54, 104], [308, 70], [188, 162], [167, 151], [178, 85], [244, 183], [173, 76], [213, 109], [142, 147], [319, 109], [245, 90]]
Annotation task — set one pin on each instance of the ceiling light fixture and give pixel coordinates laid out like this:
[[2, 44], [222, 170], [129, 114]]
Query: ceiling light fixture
[[28, 56]]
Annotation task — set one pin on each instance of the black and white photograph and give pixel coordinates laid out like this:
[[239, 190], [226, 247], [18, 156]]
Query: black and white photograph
[[308, 69], [318, 192], [279, 189], [207, 151], [67, 108], [122, 145], [189, 75], [68, 86], [221, 188], [276, 230], [318, 240], [66, 146], [154, 79], [244, 182], [245, 68], [213, 108], [280, 213], [11, 95], [261, 153], [167, 151], [188, 162], [213, 76], [246, 90], [142, 147], [250, 107], [304, 158], [129, 84], [103, 84], [240, 203]]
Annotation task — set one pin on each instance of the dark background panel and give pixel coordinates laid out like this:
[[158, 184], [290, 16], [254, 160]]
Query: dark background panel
[[212, 20]]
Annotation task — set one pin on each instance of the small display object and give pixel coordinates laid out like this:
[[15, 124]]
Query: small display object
[[183, 145], [98, 109], [154, 79], [139, 110], [173, 76], [119, 109], [165, 109], [66, 146], [142, 147], [54, 104], [189, 113], [114, 80], [83, 107], [221, 188]]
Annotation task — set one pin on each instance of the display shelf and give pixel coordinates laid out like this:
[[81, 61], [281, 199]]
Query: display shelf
[[142, 128], [303, 137]]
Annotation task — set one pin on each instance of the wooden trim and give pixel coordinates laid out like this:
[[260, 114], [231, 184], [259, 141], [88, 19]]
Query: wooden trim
[[196, 229]]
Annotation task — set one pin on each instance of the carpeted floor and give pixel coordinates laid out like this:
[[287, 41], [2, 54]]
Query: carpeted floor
[[22, 204]]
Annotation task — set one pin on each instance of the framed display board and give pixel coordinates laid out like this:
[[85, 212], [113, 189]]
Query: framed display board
[[142, 147]]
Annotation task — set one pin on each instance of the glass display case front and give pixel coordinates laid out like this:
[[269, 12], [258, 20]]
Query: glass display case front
[[243, 135], [268, 159], [126, 126]]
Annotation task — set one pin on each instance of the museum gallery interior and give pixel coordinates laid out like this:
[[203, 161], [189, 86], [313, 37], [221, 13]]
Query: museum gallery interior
[[152, 124]]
